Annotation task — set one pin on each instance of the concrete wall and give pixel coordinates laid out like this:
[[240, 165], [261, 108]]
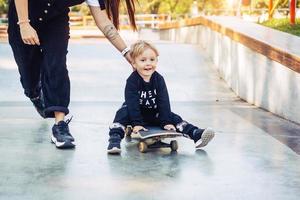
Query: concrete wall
[[252, 76]]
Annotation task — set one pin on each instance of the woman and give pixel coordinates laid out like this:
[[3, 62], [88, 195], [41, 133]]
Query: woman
[[38, 34]]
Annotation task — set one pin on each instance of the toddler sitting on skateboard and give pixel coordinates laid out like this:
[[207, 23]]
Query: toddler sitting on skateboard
[[147, 103]]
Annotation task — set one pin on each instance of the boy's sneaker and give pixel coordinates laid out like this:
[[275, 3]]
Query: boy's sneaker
[[61, 135], [202, 137], [114, 146], [39, 105]]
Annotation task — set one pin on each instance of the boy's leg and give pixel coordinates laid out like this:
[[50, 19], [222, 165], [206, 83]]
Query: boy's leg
[[201, 137], [117, 130]]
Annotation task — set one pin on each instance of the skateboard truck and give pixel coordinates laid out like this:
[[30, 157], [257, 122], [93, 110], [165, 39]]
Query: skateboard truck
[[143, 146]]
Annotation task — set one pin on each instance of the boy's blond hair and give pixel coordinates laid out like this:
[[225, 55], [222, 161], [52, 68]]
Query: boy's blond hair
[[139, 47]]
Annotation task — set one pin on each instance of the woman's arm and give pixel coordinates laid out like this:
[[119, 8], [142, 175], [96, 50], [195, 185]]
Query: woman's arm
[[28, 34], [108, 29]]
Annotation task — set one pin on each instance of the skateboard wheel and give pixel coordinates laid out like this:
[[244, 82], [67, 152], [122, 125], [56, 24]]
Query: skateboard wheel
[[143, 147], [174, 145]]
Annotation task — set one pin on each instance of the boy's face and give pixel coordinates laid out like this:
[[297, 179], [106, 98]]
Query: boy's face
[[146, 63]]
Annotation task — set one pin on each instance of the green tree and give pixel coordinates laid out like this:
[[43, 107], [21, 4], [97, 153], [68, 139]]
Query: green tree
[[164, 6], [265, 3], [177, 7], [148, 6], [212, 4], [3, 6], [82, 9]]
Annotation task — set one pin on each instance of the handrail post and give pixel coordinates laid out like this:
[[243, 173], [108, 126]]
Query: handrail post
[[292, 12], [270, 9]]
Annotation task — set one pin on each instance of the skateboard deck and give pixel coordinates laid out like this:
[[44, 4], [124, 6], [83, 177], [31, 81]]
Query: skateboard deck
[[154, 131], [153, 139]]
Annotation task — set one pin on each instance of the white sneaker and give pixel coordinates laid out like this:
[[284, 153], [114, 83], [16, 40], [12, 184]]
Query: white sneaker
[[207, 135]]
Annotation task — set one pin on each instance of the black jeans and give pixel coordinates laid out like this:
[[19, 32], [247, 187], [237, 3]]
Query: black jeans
[[150, 119], [44, 67]]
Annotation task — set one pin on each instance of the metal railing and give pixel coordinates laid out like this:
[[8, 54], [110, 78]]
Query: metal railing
[[142, 21], [249, 11], [3, 21]]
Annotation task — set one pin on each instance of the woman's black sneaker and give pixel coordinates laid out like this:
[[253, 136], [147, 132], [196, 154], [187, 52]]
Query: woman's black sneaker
[[39, 105], [61, 135], [114, 146]]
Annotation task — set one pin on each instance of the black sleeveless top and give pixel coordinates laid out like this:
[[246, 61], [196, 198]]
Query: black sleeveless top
[[44, 10]]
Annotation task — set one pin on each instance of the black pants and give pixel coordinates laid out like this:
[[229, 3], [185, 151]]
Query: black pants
[[150, 119], [43, 68]]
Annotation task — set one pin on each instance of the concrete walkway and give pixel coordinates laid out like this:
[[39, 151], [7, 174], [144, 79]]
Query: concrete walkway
[[255, 155]]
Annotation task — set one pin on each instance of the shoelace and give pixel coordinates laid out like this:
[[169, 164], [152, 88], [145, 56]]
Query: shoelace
[[64, 129], [35, 98], [69, 120]]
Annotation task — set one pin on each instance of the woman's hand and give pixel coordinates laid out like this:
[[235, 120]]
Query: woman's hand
[[136, 129], [28, 34], [170, 127]]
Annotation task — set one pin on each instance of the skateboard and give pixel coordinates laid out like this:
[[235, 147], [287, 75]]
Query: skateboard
[[152, 138]]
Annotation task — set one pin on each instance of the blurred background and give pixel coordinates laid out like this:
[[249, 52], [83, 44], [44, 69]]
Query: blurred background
[[151, 13]]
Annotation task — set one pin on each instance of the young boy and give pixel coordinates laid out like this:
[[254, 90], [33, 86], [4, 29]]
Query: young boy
[[147, 102]]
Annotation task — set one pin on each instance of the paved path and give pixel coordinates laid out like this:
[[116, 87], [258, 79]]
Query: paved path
[[255, 155]]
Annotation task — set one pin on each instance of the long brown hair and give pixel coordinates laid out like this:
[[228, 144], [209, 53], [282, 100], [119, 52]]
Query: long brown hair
[[112, 9]]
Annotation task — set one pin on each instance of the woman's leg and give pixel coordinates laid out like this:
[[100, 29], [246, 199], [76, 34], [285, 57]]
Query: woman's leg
[[29, 61], [54, 36], [59, 116], [54, 74]]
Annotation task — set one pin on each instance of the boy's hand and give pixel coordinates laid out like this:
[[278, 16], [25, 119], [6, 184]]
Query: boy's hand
[[170, 127], [136, 129]]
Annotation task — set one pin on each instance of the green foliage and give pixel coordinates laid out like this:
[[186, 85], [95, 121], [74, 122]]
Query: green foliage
[[265, 3], [212, 4], [174, 7], [3, 6], [148, 6], [283, 4], [284, 25], [261, 4], [83, 9]]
